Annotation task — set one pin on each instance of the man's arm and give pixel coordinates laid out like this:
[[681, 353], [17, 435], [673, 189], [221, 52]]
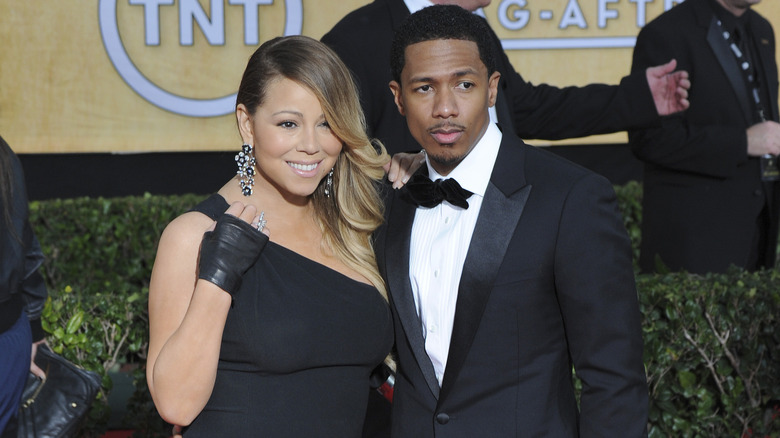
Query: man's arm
[[350, 54], [595, 287], [706, 140], [362, 40], [551, 113]]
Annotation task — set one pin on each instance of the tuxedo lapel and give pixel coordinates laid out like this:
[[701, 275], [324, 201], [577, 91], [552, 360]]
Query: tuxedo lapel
[[399, 231], [504, 201], [728, 63]]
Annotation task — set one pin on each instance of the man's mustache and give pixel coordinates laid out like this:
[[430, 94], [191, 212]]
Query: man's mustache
[[446, 126]]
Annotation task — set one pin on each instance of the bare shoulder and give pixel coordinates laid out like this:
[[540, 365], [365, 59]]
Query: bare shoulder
[[177, 253], [185, 231]]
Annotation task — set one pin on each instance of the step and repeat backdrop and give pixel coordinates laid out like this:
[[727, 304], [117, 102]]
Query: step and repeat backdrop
[[161, 75]]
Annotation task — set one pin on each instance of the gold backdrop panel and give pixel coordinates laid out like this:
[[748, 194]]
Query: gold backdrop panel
[[159, 75]]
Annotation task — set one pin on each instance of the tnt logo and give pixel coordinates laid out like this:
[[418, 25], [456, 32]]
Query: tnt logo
[[147, 40]]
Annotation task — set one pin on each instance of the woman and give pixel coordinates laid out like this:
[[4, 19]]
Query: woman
[[275, 332], [22, 290]]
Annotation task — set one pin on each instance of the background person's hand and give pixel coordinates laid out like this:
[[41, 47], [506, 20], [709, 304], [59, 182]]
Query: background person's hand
[[764, 138], [35, 369], [669, 88]]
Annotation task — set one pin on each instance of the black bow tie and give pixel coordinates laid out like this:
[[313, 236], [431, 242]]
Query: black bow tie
[[423, 192]]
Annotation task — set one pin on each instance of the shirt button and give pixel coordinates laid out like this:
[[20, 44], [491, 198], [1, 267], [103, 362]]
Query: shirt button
[[432, 328], [442, 418], [446, 220], [436, 273]]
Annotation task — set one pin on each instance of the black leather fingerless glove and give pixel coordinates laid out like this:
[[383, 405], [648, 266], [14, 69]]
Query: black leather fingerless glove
[[229, 251]]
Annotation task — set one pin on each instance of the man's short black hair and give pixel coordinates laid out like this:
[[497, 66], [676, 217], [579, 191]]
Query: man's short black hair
[[442, 22]]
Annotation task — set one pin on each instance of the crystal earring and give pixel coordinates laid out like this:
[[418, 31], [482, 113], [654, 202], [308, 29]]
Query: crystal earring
[[246, 169], [329, 183]]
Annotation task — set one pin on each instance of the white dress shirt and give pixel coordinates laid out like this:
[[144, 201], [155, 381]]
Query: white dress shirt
[[439, 243]]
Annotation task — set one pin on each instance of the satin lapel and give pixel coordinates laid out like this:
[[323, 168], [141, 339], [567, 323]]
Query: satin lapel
[[498, 218], [399, 231], [728, 62]]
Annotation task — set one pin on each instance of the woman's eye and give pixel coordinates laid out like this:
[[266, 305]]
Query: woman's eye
[[287, 124]]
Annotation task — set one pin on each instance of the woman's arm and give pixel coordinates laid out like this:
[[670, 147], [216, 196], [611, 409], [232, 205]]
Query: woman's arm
[[186, 319]]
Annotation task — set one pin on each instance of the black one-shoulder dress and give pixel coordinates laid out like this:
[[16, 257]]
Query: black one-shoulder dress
[[299, 345]]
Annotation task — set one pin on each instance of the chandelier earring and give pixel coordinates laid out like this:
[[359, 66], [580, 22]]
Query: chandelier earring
[[246, 169], [329, 183]]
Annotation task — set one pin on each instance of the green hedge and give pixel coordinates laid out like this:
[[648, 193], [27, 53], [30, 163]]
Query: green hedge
[[99, 256], [712, 353], [712, 348]]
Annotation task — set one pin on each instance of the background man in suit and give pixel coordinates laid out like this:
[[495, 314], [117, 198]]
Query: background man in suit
[[497, 294], [362, 40], [707, 201]]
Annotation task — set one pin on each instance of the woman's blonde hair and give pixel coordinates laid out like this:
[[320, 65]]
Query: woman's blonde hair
[[354, 211]]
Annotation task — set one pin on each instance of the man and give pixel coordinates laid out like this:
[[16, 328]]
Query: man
[[710, 190], [497, 295], [362, 40]]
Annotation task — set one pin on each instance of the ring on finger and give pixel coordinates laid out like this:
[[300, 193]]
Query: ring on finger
[[261, 222]]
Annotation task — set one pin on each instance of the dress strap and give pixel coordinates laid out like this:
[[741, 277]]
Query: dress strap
[[212, 207]]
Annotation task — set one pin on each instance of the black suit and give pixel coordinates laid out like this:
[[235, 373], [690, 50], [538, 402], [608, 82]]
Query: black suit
[[547, 283], [704, 201], [363, 38]]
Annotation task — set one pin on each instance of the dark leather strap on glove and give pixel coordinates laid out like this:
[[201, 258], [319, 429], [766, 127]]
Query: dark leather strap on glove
[[229, 251]]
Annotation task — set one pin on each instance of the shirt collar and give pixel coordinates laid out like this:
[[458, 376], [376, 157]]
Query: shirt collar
[[473, 173], [416, 5]]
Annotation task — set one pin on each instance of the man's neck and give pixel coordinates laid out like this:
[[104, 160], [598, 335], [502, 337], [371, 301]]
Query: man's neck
[[735, 10]]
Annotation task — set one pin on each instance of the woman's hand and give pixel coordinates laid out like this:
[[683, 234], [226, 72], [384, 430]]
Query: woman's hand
[[231, 248], [402, 166], [247, 213], [35, 369]]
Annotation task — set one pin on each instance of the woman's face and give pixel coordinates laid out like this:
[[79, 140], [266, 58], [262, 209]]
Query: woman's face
[[293, 143]]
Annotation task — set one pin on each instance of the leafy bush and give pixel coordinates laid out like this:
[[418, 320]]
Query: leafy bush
[[712, 353], [712, 350], [99, 255], [630, 206]]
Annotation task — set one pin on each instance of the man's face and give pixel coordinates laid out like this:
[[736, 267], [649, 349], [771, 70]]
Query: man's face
[[469, 5], [445, 93]]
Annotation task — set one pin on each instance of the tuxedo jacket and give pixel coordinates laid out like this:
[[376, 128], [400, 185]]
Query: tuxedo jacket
[[547, 284], [363, 38], [703, 195]]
